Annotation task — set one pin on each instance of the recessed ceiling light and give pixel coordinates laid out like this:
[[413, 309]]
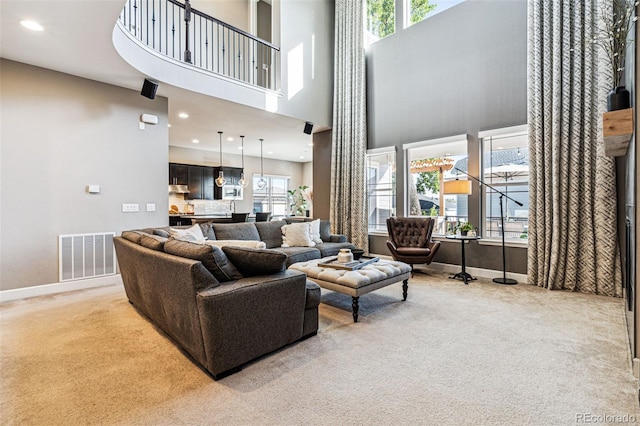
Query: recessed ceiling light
[[195, 141], [32, 25], [183, 115], [168, 124], [311, 144], [302, 157], [230, 139], [270, 152], [240, 148]]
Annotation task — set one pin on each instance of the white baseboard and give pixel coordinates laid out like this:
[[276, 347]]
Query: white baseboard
[[475, 272], [46, 289]]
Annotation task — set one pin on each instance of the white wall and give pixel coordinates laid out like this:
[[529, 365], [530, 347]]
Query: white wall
[[233, 12], [60, 133]]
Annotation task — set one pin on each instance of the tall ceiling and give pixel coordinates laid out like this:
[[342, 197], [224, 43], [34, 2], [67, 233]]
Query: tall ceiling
[[77, 40]]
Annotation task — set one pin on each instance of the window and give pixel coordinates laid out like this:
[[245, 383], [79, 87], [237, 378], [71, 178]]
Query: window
[[381, 187], [381, 19], [430, 164], [417, 10], [506, 169], [273, 198]]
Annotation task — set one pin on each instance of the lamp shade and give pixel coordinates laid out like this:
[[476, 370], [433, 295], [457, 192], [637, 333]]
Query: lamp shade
[[457, 187]]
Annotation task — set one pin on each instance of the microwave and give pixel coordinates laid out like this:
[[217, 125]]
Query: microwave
[[232, 192]]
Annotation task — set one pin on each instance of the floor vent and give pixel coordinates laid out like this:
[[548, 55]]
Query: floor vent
[[86, 256]]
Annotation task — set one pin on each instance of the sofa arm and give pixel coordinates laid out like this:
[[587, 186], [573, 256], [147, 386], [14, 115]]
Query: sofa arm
[[244, 319], [337, 238]]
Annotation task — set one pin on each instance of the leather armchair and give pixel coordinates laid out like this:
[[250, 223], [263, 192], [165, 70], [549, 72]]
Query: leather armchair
[[410, 240]]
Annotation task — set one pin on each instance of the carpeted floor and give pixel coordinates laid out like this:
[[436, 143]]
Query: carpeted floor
[[482, 354]]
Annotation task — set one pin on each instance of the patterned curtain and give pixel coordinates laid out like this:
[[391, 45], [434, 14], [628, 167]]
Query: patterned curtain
[[573, 240], [348, 196]]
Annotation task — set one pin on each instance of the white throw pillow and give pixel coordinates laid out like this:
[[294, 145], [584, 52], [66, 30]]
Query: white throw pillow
[[315, 231], [192, 235], [237, 243], [297, 235]]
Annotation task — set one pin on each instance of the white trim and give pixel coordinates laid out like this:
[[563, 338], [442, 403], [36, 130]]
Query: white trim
[[448, 139], [46, 289], [475, 272], [382, 150], [504, 131]]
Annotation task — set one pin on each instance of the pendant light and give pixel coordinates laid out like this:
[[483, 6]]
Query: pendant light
[[220, 180], [243, 182], [261, 184]]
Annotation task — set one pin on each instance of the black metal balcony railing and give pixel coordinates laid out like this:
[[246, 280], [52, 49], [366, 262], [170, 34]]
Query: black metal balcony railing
[[188, 35]]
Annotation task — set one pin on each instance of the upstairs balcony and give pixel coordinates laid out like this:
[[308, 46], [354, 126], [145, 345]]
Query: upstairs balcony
[[185, 34]]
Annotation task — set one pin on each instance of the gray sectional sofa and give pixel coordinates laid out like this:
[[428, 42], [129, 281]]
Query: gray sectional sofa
[[223, 306]]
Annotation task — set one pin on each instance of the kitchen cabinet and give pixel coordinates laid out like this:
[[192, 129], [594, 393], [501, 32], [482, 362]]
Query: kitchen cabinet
[[179, 221], [231, 175], [178, 174], [200, 183], [199, 180]]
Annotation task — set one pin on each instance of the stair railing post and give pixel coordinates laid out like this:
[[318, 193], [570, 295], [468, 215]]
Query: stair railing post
[[187, 19]]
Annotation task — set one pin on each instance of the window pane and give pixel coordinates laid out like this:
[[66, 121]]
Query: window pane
[[506, 168], [380, 19], [273, 197], [430, 166], [381, 192]]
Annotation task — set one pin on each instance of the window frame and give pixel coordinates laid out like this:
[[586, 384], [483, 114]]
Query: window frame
[[441, 220], [503, 132], [382, 230], [257, 196]]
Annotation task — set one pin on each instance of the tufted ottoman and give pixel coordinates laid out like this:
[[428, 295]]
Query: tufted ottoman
[[356, 283]]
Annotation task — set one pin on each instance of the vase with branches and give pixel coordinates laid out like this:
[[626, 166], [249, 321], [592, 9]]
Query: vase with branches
[[617, 18]]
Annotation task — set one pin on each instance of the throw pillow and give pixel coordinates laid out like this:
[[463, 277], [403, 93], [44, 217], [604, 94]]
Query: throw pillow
[[315, 231], [211, 257], [297, 235], [193, 234], [237, 243], [154, 242], [252, 262]]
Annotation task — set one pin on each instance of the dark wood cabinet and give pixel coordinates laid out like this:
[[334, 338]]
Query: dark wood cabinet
[[231, 175], [179, 221], [199, 179], [178, 174]]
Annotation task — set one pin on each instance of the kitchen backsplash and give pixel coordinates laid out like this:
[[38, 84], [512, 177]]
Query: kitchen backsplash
[[201, 206]]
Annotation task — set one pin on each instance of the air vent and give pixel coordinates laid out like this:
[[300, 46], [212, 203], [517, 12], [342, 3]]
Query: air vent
[[84, 256]]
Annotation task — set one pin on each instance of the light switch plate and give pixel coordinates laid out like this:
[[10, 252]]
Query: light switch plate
[[130, 208], [151, 207]]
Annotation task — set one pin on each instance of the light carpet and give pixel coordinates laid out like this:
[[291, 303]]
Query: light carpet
[[482, 354]]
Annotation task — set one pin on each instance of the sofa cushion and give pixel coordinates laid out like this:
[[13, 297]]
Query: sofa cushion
[[325, 230], [154, 242], [133, 236], [252, 262], [236, 231], [297, 235], [211, 257], [192, 234], [237, 243], [271, 232], [332, 249], [299, 254], [207, 230]]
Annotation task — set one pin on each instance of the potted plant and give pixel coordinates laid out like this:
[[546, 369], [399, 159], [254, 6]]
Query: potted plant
[[465, 228], [298, 200], [612, 37]]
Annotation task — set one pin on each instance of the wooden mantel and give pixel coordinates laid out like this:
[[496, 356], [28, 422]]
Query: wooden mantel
[[617, 129]]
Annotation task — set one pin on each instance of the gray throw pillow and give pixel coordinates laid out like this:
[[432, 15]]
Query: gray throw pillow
[[211, 257], [207, 230], [162, 232], [325, 231], [271, 232], [252, 262]]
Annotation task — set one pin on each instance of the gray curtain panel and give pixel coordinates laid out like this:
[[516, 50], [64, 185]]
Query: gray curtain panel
[[348, 196], [573, 240]]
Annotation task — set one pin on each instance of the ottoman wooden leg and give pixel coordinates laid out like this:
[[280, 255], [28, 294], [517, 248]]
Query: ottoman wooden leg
[[354, 307], [405, 287]]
